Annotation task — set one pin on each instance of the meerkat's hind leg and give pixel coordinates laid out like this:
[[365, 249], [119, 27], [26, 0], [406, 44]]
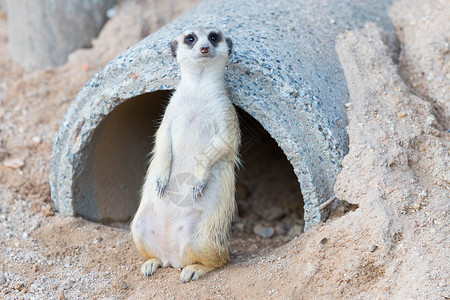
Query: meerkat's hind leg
[[194, 272], [150, 266]]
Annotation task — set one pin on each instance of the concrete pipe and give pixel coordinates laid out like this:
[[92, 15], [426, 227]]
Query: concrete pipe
[[284, 73]]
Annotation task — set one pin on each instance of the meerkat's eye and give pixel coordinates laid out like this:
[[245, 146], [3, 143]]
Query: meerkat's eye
[[214, 38], [190, 39]]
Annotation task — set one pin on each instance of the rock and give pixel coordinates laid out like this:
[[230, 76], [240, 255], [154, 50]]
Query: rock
[[323, 241], [248, 228], [14, 163], [48, 210], [37, 139], [2, 278], [296, 230], [264, 232], [239, 226], [280, 229], [275, 213], [19, 286], [373, 248]]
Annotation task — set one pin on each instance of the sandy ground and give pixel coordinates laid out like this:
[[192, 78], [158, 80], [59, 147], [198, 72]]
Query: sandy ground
[[393, 246]]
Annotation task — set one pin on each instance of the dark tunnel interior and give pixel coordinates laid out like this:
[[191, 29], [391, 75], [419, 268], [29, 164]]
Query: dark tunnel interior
[[267, 192]]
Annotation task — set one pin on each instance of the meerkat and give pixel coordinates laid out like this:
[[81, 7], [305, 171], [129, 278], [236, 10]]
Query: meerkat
[[184, 217]]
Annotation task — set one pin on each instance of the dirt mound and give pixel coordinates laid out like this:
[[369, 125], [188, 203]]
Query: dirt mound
[[424, 30], [397, 171]]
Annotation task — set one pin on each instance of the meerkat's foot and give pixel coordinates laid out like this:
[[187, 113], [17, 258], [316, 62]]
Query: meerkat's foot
[[161, 184], [197, 188], [193, 272], [150, 266]]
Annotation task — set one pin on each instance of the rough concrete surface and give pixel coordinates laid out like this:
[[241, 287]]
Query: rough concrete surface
[[394, 246], [284, 73], [43, 33]]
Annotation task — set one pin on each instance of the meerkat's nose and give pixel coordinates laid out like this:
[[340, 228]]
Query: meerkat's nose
[[204, 49]]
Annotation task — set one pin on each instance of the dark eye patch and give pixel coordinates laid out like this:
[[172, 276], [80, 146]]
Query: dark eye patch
[[190, 39], [214, 38]]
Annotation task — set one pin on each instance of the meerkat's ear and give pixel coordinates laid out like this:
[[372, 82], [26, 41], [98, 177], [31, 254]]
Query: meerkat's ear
[[230, 45], [174, 47]]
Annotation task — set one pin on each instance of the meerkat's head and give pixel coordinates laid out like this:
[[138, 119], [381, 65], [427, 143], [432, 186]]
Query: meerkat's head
[[201, 46]]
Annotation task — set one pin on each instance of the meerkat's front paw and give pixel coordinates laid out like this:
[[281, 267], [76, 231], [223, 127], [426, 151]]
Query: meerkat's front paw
[[161, 184], [193, 272], [150, 266], [197, 188]]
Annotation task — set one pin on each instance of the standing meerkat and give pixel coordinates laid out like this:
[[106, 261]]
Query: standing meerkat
[[187, 204]]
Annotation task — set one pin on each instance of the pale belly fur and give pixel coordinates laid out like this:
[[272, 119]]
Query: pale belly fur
[[166, 225]]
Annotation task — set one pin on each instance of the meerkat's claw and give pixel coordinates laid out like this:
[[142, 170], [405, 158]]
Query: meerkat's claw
[[161, 185], [197, 189], [150, 266], [160, 189], [193, 272]]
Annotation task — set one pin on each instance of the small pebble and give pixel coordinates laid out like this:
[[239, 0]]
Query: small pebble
[[264, 232], [280, 229], [14, 163], [274, 213], [324, 241], [2, 278], [373, 248], [111, 12], [239, 227], [18, 286], [296, 230], [37, 139], [48, 210]]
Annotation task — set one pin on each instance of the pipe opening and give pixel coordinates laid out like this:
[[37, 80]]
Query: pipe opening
[[268, 195], [107, 190]]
